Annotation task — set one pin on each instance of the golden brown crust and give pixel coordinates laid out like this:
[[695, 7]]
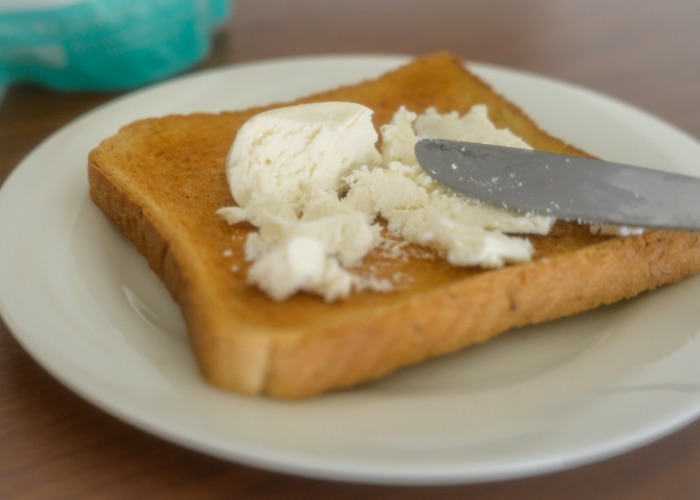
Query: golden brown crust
[[161, 181]]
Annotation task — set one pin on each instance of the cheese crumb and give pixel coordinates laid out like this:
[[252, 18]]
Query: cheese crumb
[[615, 230]]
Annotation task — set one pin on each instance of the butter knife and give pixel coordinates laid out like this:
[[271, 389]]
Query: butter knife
[[564, 187]]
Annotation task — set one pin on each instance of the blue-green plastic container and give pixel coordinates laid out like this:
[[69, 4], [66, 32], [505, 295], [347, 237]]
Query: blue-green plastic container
[[104, 44]]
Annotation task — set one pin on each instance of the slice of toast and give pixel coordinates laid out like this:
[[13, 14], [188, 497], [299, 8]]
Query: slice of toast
[[162, 180]]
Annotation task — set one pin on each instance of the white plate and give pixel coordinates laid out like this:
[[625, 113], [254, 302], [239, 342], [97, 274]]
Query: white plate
[[539, 399]]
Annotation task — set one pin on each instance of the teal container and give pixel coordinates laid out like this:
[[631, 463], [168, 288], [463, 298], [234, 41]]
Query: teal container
[[105, 45]]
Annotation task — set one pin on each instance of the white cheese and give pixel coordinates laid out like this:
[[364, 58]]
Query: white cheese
[[422, 211], [285, 170], [282, 158], [296, 264], [311, 179], [615, 230]]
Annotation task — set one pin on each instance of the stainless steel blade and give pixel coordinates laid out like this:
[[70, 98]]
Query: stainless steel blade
[[565, 187]]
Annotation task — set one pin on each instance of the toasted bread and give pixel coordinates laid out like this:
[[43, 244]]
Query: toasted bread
[[161, 181]]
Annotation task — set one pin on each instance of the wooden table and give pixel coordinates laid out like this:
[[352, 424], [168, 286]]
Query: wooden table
[[645, 52]]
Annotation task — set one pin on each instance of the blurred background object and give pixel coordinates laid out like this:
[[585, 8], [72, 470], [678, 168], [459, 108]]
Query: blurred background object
[[104, 44]]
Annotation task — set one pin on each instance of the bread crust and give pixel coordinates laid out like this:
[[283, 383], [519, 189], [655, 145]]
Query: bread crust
[[161, 180]]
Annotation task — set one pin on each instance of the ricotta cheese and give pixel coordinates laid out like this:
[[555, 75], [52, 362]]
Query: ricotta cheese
[[311, 179], [285, 158], [286, 172], [463, 231]]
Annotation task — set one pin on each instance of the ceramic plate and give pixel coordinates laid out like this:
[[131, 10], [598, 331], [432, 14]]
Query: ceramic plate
[[87, 308]]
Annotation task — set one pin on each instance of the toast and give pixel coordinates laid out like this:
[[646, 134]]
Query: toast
[[162, 180]]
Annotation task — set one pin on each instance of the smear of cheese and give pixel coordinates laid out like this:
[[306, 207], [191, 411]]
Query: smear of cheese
[[310, 178], [422, 211]]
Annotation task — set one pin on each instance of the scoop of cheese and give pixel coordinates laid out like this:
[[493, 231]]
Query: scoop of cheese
[[282, 158], [286, 171]]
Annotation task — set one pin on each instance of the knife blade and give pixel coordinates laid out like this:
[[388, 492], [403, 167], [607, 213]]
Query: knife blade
[[565, 187]]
